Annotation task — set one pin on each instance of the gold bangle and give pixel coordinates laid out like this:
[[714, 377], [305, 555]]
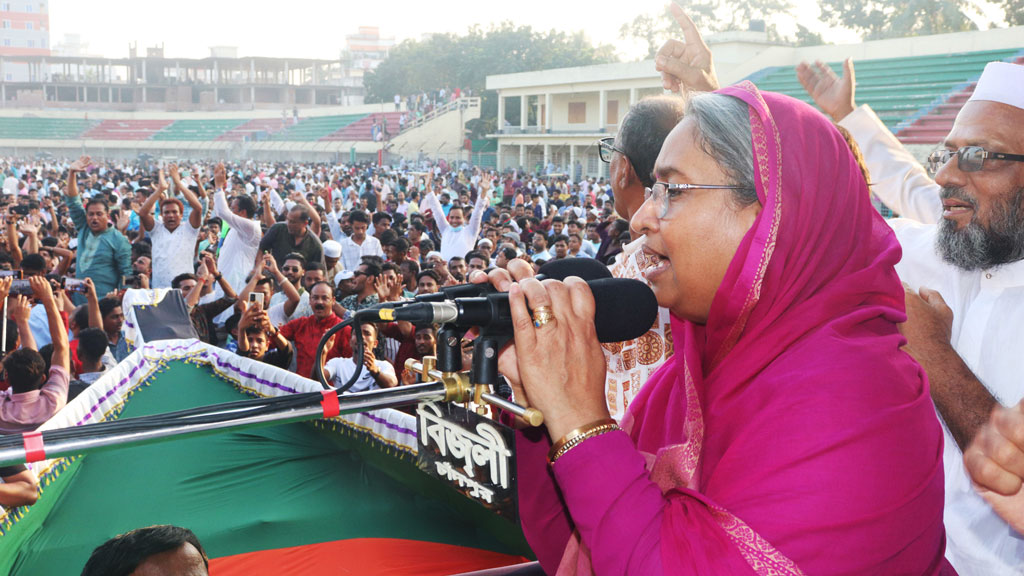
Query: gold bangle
[[578, 435]]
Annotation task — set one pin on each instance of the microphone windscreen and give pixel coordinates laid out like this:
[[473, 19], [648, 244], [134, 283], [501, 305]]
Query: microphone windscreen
[[586, 268], [625, 308]]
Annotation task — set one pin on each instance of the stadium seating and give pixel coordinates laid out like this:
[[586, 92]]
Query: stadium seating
[[898, 89], [931, 127], [314, 128], [196, 130], [43, 128], [126, 129], [253, 130], [362, 129]]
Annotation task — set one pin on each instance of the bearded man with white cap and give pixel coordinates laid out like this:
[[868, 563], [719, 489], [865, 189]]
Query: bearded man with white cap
[[963, 263]]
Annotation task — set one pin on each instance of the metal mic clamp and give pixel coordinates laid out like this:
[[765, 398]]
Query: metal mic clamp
[[456, 385], [458, 389]]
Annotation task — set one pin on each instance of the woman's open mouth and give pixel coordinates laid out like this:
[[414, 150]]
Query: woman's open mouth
[[652, 263]]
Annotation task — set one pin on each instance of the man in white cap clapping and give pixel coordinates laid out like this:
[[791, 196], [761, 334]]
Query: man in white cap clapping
[[963, 263]]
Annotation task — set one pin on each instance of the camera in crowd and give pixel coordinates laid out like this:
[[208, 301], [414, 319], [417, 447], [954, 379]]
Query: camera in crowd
[[133, 281]]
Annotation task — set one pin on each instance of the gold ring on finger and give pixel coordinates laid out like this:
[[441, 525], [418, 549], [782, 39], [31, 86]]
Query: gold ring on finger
[[542, 315]]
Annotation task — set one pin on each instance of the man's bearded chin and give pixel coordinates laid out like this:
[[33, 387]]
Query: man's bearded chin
[[977, 247]]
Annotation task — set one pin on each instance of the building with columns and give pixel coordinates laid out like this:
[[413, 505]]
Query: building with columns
[[557, 116]]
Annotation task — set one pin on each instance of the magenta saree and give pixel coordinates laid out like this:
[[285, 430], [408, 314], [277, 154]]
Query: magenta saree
[[788, 435]]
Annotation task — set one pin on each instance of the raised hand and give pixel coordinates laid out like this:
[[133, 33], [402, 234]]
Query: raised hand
[[19, 309], [90, 289], [370, 361], [250, 310], [834, 95], [220, 177], [380, 285], [270, 263], [210, 262], [5, 286], [686, 65], [123, 220], [172, 169], [80, 165], [161, 183], [27, 228], [41, 289]]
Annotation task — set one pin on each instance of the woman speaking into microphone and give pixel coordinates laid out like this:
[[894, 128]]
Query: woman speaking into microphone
[[789, 433]]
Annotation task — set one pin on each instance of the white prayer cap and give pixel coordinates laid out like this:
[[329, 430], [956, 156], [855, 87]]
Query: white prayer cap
[[343, 275], [1001, 82], [332, 249]]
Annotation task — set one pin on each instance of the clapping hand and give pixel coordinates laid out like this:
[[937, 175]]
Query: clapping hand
[[686, 65], [995, 461]]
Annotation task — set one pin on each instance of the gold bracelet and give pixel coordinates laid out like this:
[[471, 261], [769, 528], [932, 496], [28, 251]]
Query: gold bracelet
[[578, 435]]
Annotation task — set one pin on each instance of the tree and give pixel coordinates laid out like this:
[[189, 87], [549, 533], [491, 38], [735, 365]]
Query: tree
[[712, 16], [447, 60], [1014, 10], [876, 19], [650, 30]]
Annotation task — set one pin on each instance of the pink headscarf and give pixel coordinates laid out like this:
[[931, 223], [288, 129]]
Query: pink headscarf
[[790, 433]]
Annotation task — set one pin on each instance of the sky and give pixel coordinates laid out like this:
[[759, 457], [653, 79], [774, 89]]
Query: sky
[[317, 28]]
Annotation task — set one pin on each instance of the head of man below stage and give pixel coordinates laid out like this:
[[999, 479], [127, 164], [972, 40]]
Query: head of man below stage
[[154, 551]]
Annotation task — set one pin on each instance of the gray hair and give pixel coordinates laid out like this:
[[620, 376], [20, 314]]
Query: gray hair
[[644, 130], [723, 125]]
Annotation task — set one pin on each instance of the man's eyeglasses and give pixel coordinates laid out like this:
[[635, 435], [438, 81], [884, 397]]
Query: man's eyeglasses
[[605, 149], [662, 193], [291, 269], [968, 158]]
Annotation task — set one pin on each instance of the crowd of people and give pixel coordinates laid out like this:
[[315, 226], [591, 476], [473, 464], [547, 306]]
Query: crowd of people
[[823, 391]]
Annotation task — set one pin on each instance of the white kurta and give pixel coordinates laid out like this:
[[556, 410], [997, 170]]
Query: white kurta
[[988, 333], [456, 242], [173, 252], [896, 176], [238, 254]]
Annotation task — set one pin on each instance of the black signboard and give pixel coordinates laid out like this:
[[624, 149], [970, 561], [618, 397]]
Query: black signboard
[[470, 452]]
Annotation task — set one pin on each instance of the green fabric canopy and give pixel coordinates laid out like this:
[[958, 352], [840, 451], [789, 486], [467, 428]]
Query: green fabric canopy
[[242, 491]]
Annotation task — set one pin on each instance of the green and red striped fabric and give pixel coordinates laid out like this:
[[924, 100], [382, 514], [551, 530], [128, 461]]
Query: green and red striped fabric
[[288, 499]]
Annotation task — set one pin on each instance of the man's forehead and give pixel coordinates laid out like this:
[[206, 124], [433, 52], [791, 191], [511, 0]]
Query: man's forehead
[[993, 125]]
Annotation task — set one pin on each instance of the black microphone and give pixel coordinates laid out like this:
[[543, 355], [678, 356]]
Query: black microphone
[[625, 309], [585, 268]]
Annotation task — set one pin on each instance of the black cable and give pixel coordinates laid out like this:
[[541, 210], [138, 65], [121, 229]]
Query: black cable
[[357, 352]]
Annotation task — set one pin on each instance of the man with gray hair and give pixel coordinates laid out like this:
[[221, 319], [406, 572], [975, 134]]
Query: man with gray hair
[[963, 263], [631, 155]]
